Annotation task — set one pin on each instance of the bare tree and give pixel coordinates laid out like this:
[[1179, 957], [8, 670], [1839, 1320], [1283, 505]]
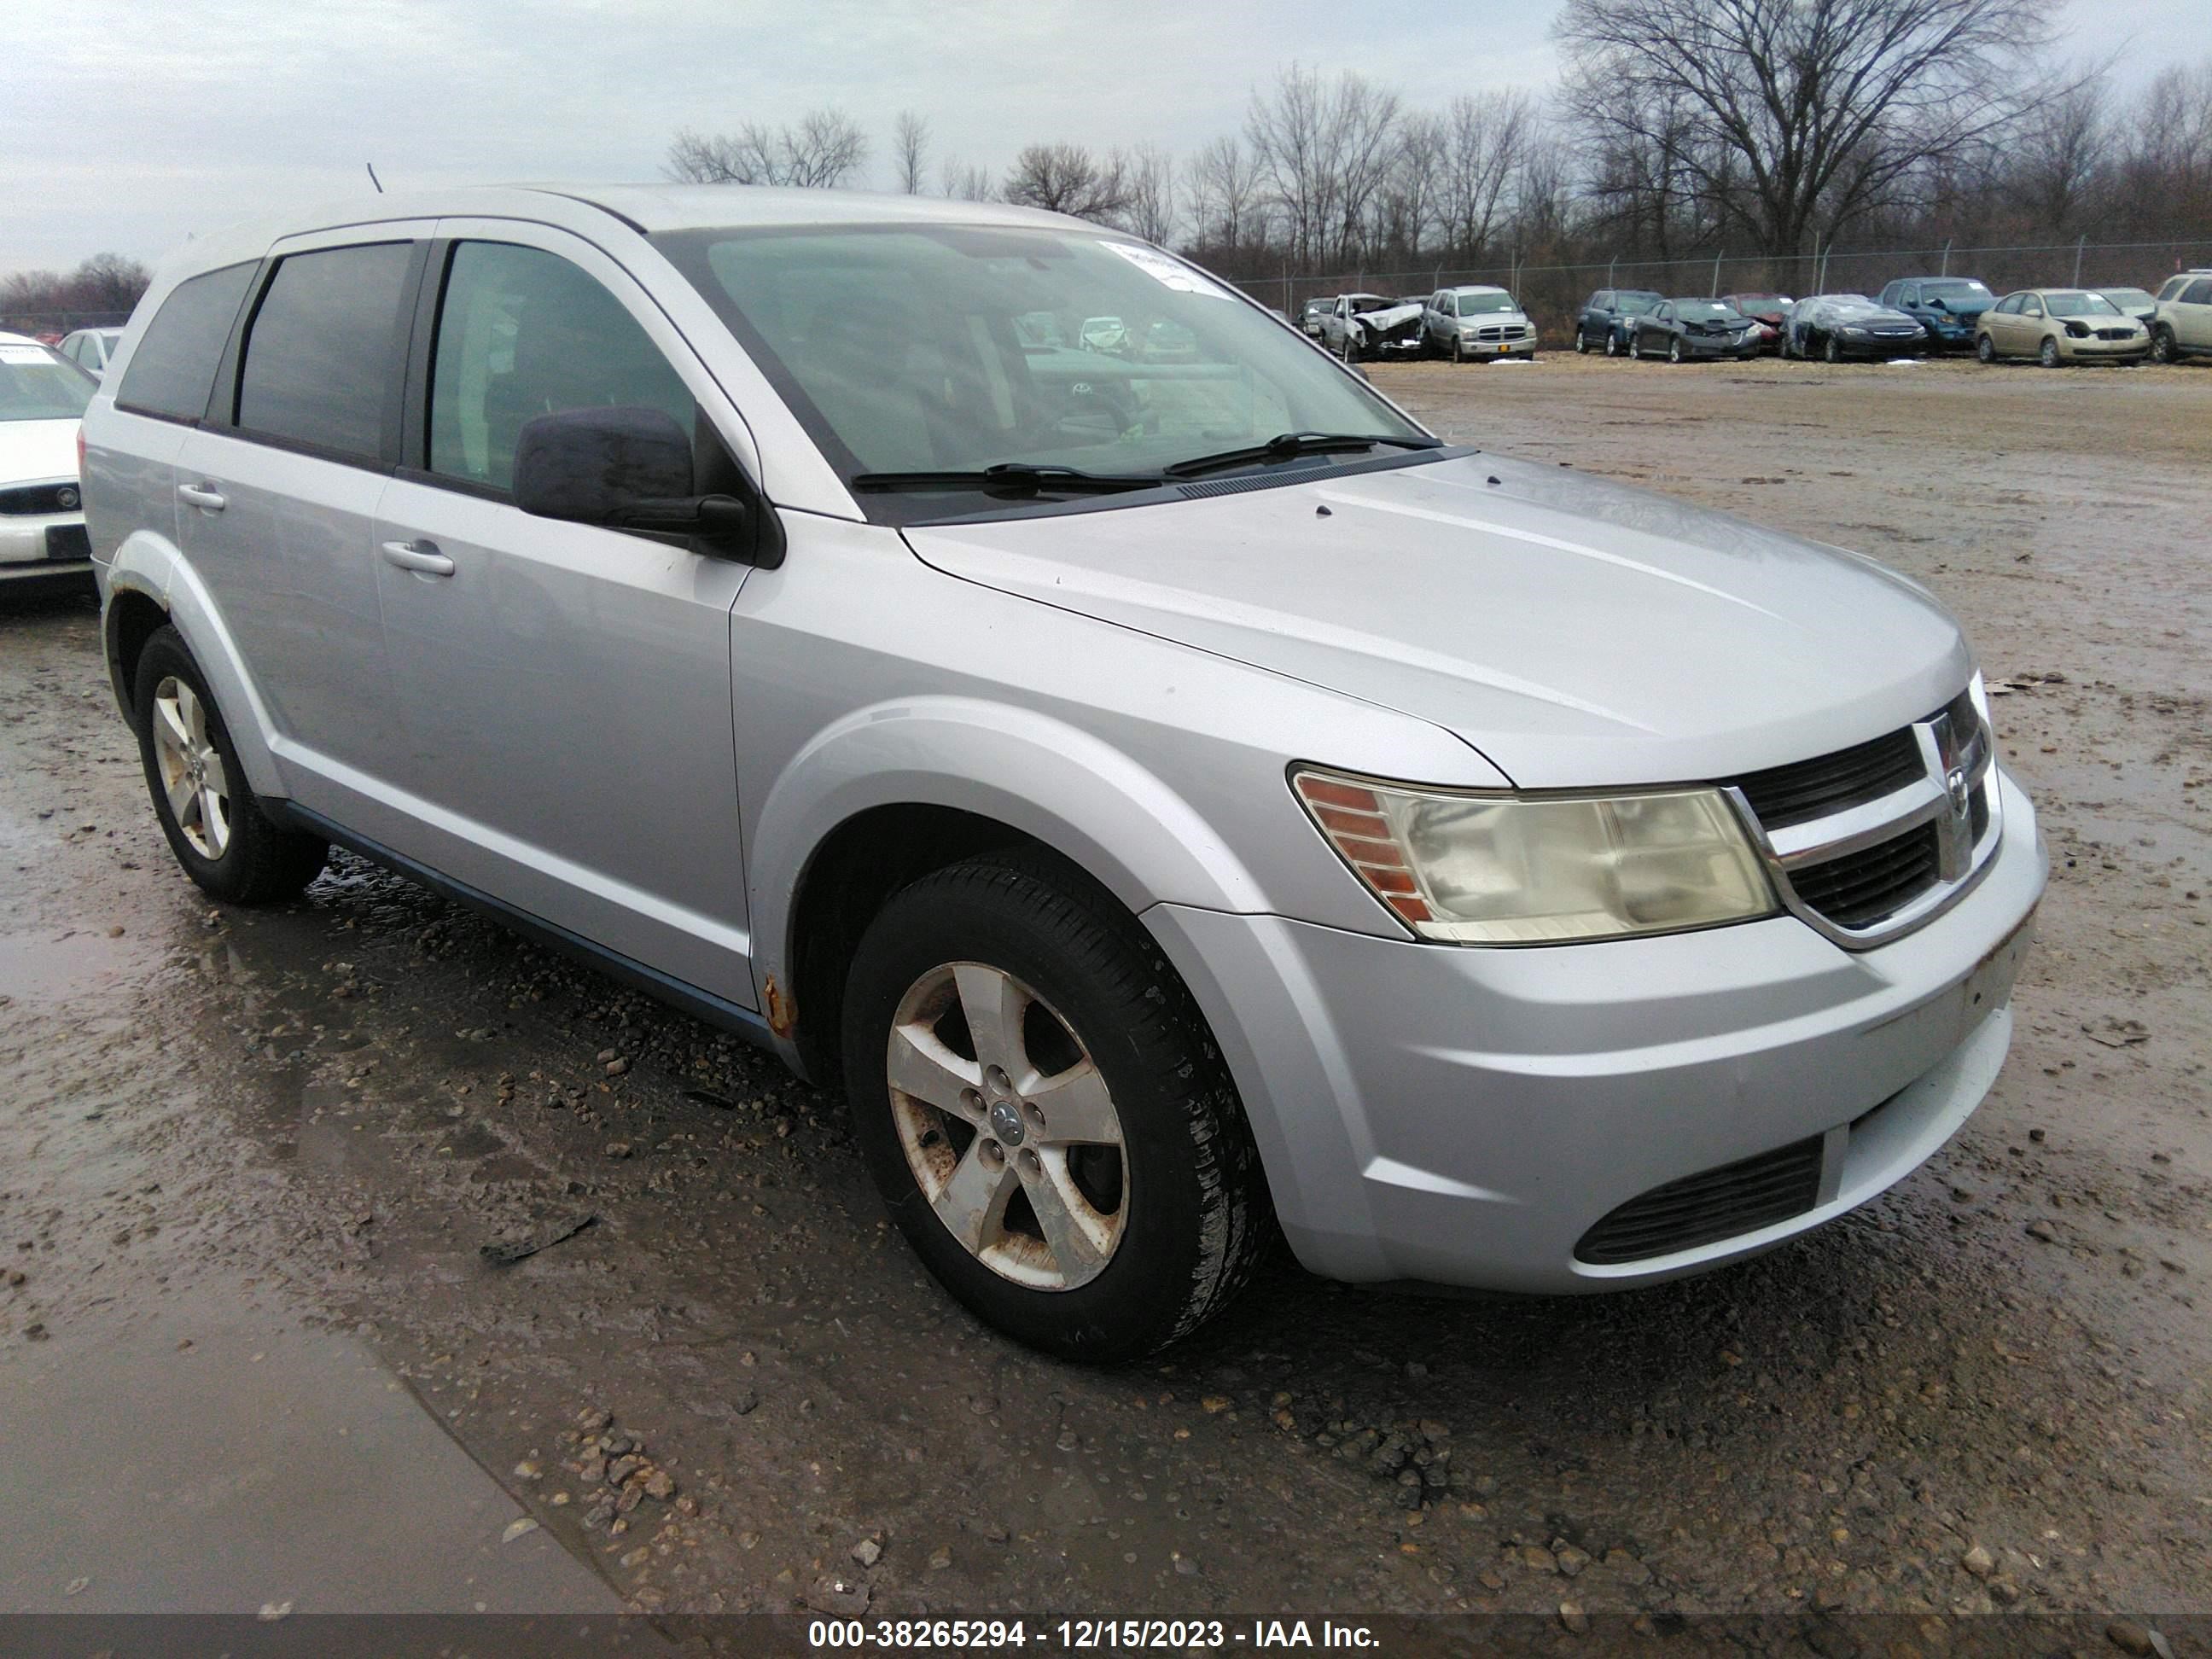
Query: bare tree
[[1150, 212], [822, 152], [2059, 156], [1222, 186], [1323, 150], [1069, 178], [1799, 116], [1486, 143], [101, 290], [963, 182], [909, 150]]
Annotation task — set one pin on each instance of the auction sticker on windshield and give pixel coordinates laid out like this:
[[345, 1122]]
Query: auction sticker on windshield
[[1164, 270]]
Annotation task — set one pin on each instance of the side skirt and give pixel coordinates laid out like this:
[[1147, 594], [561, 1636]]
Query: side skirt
[[678, 993]]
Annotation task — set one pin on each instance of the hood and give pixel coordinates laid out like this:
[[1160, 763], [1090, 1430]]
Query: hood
[[1574, 631], [1387, 320], [36, 451]]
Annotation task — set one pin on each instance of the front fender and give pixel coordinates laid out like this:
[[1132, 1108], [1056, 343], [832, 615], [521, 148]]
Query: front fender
[[1128, 828], [150, 564]]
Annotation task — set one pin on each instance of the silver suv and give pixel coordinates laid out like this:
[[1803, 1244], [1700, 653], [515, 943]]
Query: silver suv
[[1176, 801]]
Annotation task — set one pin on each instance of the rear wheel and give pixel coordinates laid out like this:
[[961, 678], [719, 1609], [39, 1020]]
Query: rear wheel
[[2048, 353], [1045, 1113], [1985, 349], [1581, 341], [215, 825]]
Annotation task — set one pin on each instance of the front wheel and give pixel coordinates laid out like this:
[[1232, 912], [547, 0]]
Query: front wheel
[[2161, 345], [1674, 351], [213, 823], [1612, 343], [1458, 352], [1833, 351], [1045, 1113], [2048, 356]]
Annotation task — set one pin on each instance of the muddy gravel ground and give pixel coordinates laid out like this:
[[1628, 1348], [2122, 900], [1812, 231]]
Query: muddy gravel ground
[[724, 1383]]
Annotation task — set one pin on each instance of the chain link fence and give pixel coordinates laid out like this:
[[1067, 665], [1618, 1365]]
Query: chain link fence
[[1552, 294], [43, 325]]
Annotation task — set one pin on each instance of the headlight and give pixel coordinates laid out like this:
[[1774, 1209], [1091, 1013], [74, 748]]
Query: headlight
[[1497, 869], [1853, 328]]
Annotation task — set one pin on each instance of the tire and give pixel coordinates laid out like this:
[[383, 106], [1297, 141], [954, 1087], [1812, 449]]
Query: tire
[[2161, 345], [1582, 343], [1636, 347], [1985, 349], [226, 842], [1674, 352], [1345, 352], [1458, 352], [2047, 354], [1832, 352], [1612, 342], [1153, 1242]]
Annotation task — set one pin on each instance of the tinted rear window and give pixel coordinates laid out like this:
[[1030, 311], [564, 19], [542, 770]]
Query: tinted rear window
[[323, 358], [173, 367]]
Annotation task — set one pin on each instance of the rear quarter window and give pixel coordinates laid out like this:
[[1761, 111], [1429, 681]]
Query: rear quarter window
[[2198, 293], [322, 355], [172, 371]]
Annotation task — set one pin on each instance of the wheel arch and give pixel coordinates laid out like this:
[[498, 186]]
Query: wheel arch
[[150, 584], [890, 793]]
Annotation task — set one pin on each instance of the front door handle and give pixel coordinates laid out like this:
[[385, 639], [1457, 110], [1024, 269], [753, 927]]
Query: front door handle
[[422, 557], [205, 497]]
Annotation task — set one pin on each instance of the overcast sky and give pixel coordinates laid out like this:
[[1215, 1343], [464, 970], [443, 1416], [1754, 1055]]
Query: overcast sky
[[126, 125]]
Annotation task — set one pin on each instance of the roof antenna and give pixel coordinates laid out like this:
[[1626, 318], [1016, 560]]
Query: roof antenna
[[373, 178]]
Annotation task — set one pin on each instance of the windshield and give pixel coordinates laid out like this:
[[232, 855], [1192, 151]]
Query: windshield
[[899, 348], [1635, 305], [2079, 305], [35, 385], [1706, 311], [1487, 305], [1954, 287], [2128, 296], [1363, 303]]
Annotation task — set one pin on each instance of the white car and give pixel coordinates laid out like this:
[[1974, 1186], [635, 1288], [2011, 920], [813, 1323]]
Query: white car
[[90, 349], [42, 397]]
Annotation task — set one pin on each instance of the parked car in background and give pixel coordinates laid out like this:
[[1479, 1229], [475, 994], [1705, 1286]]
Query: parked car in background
[[1837, 326], [1151, 880], [2056, 326], [42, 536], [1945, 307], [89, 348], [1770, 312], [1682, 329], [2138, 303], [1312, 313], [1369, 325], [1108, 336], [2183, 327], [1476, 322], [1602, 323]]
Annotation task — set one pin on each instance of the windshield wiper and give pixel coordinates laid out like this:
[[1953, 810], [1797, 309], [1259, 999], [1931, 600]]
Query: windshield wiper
[[1284, 445], [1013, 478]]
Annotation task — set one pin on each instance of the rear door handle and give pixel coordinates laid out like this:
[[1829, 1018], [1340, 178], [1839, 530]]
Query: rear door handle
[[203, 496], [423, 557]]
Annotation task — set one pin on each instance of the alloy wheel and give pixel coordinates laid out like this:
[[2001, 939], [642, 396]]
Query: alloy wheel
[[1008, 1127], [193, 778]]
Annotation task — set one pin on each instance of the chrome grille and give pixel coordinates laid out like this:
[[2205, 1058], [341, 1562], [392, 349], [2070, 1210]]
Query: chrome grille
[[1871, 842]]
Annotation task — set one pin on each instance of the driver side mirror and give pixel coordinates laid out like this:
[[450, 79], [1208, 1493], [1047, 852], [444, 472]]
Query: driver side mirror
[[630, 469]]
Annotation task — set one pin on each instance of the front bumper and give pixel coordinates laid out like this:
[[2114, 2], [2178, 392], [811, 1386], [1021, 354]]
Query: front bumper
[[2093, 350], [1466, 1116], [1695, 347], [43, 547], [1475, 348]]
